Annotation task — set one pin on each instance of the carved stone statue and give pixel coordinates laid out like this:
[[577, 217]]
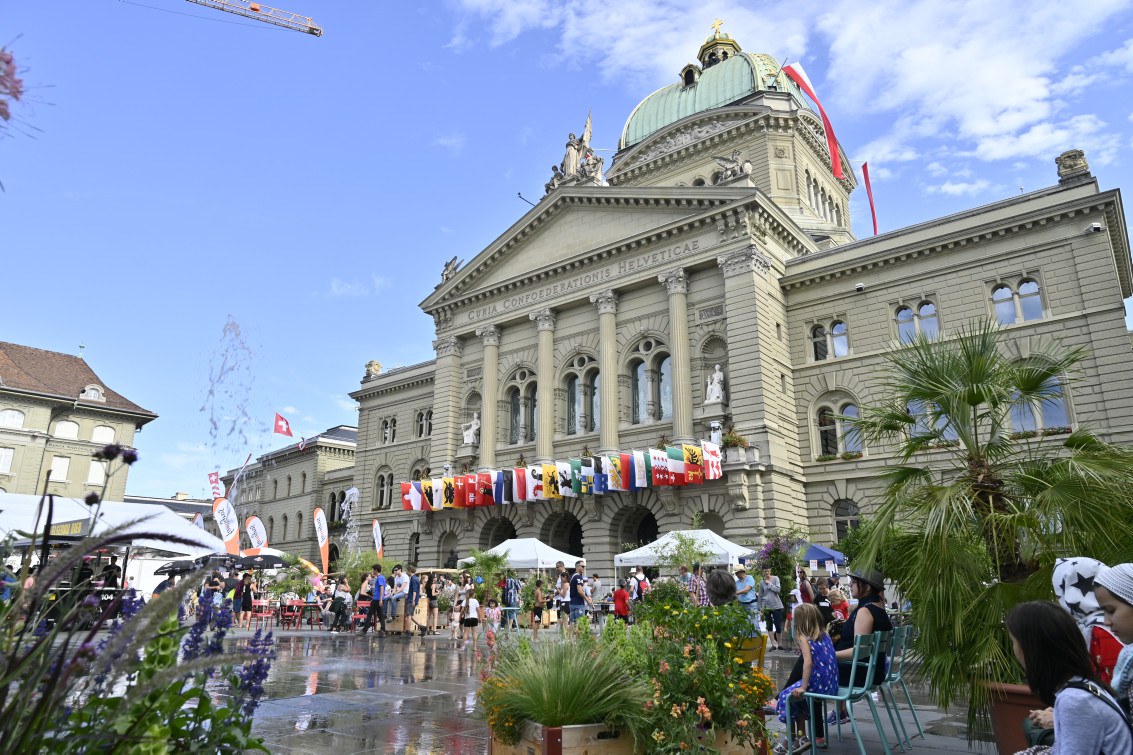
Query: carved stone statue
[[373, 368], [591, 167], [471, 429], [450, 269], [1072, 166], [572, 157], [715, 392], [731, 167], [556, 179]]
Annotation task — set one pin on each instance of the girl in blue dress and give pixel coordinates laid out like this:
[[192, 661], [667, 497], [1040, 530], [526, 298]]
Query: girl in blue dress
[[820, 673]]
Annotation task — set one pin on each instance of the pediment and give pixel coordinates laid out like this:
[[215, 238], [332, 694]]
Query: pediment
[[571, 221]]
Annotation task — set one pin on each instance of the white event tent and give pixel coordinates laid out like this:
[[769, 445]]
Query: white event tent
[[18, 514], [528, 553], [720, 551]]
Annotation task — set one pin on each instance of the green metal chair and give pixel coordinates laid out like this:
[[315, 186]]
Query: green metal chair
[[866, 649], [902, 640]]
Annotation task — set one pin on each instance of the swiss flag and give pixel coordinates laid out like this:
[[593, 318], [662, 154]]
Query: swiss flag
[[282, 426]]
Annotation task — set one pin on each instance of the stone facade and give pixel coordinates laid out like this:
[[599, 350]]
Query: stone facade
[[55, 412], [596, 320]]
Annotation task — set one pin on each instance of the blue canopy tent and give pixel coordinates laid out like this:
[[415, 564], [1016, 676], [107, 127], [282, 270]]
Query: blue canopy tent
[[822, 555]]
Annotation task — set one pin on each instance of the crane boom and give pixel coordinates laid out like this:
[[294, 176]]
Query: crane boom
[[260, 12]]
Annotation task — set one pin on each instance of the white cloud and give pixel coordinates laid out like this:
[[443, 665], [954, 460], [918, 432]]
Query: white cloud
[[959, 188], [380, 282], [445, 229], [1121, 57], [936, 169], [290, 410], [454, 143], [340, 289]]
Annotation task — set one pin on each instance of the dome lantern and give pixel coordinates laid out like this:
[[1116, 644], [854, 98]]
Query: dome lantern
[[718, 47]]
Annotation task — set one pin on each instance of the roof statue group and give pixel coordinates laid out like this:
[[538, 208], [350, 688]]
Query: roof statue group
[[580, 163]]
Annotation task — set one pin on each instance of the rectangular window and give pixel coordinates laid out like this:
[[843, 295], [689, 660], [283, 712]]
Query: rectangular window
[[60, 465], [6, 460], [97, 473]]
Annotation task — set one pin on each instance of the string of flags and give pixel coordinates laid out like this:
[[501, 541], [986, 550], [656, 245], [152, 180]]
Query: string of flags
[[676, 466]]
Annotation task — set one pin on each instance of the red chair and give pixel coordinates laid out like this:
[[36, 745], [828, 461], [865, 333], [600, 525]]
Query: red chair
[[261, 612], [360, 608], [291, 613]]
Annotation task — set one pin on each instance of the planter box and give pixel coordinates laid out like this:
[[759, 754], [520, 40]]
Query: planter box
[[1009, 705], [587, 739]]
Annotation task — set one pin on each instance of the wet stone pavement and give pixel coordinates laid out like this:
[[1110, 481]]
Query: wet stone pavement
[[345, 693]]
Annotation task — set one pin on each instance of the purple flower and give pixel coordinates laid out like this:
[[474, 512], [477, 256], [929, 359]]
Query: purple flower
[[191, 648], [131, 603], [250, 682], [129, 456], [108, 452], [91, 601]]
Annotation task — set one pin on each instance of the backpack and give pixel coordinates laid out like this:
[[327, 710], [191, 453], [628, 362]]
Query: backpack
[[511, 593]]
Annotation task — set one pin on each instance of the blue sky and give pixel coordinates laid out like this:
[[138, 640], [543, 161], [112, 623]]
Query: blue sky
[[190, 170]]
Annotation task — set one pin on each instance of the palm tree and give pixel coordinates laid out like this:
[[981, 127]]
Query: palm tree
[[488, 567], [982, 500]]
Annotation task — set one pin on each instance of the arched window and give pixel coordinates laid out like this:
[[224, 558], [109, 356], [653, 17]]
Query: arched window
[[414, 548], [850, 436], [383, 489], [574, 402], [924, 322], [102, 434], [11, 418], [827, 432], [6, 455], [532, 398], [66, 429], [1050, 414], [1030, 303], [640, 387], [271, 529], [298, 525], [93, 393], [840, 339], [927, 320], [665, 388], [284, 538], [393, 431], [515, 420], [594, 389], [818, 342], [275, 488], [302, 483], [1003, 299], [906, 325], [847, 515], [521, 390], [288, 486], [836, 433]]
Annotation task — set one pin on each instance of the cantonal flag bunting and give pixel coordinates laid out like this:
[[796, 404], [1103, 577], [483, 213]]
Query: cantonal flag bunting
[[614, 472], [534, 483], [501, 483], [586, 481], [566, 479], [449, 492], [712, 465], [694, 464], [576, 476], [459, 499], [551, 481], [628, 476], [426, 495], [471, 491], [640, 469], [659, 466], [438, 493], [601, 477], [411, 496], [519, 484], [676, 466], [487, 489]]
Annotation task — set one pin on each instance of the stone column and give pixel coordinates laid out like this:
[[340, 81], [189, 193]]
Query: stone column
[[676, 281], [490, 335], [607, 303], [446, 399], [545, 374]]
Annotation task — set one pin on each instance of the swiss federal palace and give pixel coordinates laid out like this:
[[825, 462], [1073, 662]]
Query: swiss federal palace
[[706, 280]]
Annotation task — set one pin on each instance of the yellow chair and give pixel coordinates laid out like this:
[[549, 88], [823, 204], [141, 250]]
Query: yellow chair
[[753, 650]]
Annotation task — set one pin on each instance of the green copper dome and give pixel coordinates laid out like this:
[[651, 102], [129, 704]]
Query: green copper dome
[[724, 83]]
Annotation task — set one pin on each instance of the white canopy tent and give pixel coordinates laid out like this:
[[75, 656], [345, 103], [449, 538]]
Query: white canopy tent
[[720, 551], [18, 513], [528, 553]]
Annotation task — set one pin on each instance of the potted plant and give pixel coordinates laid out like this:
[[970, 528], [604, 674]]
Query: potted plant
[[968, 545], [562, 698], [734, 445]]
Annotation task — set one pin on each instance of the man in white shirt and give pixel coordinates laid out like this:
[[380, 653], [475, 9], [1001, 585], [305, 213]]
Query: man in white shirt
[[400, 590]]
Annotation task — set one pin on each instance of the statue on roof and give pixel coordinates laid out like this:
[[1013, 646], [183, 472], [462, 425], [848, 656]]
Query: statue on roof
[[731, 167], [576, 150], [591, 168], [556, 179], [450, 269]]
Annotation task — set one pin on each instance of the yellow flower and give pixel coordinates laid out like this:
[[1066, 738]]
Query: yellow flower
[[731, 686], [727, 644], [659, 735], [738, 660]]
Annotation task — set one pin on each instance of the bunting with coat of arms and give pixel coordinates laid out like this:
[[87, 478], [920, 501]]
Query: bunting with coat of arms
[[675, 465]]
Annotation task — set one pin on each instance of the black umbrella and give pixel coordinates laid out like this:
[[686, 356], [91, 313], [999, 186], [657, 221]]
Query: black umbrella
[[258, 562], [176, 567]]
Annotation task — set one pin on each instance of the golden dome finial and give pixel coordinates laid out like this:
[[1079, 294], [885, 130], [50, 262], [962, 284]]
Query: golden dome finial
[[716, 27]]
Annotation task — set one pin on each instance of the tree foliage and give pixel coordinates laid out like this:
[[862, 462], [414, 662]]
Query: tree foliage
[[973, 516]]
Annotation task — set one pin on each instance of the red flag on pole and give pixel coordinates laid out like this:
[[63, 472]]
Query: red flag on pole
[[869, 193], [282, 426], [798, 75]]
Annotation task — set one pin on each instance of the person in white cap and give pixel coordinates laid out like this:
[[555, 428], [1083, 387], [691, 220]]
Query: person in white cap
[[1114, 590]]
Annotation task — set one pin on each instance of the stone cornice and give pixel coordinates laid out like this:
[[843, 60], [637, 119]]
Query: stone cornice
[[733, 212], [856, 258], [383, 385]]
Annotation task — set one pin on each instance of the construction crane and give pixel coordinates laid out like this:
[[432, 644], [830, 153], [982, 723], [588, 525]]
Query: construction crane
[[260, 12]]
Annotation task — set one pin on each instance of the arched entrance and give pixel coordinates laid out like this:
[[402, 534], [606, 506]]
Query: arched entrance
[[713, 521], [449, 541], [495, 531], [563, 531], [332, 556], [634, 526]]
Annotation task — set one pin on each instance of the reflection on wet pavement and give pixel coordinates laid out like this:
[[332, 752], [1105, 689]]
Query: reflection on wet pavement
[[352, 694]]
